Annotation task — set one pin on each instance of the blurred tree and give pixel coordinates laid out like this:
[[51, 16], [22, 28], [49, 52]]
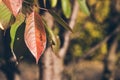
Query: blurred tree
[[54, 64], [94, 37], [91, 29]]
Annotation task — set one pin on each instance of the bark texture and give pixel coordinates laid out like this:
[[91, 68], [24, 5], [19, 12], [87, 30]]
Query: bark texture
[[53, 65]]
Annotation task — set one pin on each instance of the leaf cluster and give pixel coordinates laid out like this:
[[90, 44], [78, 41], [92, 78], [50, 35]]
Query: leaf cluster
[[14, 13]]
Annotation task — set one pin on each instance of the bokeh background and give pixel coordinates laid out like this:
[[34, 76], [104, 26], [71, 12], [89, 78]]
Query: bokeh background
[[91, 52]]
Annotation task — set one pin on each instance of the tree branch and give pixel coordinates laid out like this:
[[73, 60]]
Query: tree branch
[[91, 50], [63, 50]]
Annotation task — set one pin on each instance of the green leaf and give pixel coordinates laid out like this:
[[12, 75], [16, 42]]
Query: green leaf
[[50, 33], [53, 39], [60, 20], [53, 3], [83, 7], [19, 20], [66, 7], [5, 16]]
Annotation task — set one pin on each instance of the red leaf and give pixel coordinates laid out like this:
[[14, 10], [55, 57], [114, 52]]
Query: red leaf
[[13, 5], [35, 35]]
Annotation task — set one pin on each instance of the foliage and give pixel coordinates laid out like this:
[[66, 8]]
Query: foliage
[[19, 20], [91, 31], [5, 16], [35, 33], [35, 36]]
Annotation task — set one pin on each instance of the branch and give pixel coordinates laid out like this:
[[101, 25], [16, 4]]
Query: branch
[[110, 61], [63, 50], [91, 50]]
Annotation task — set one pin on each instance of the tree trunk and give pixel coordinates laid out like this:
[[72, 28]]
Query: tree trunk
[[53, 64], [57, 67], [110, 59], [48, 58], [48, 65], [109, 64]]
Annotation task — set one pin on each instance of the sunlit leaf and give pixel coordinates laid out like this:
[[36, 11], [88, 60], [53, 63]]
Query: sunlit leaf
[[13, 5], [35, 35], [5, 16], [53, 3], [19, 20], [83, 6], [60, 20], [66, 7]]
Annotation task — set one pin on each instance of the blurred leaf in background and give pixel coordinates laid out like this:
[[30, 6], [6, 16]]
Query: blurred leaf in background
[[91, 31], [66, 7]]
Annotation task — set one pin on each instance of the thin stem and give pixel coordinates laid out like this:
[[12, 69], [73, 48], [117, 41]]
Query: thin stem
[[37, 6]]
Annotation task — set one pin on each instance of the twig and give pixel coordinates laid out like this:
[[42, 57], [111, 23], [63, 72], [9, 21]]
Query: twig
[[63, 50], [91, 50], [37, 6]]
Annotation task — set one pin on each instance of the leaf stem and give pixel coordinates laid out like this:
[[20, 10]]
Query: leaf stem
[[37, 6]]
